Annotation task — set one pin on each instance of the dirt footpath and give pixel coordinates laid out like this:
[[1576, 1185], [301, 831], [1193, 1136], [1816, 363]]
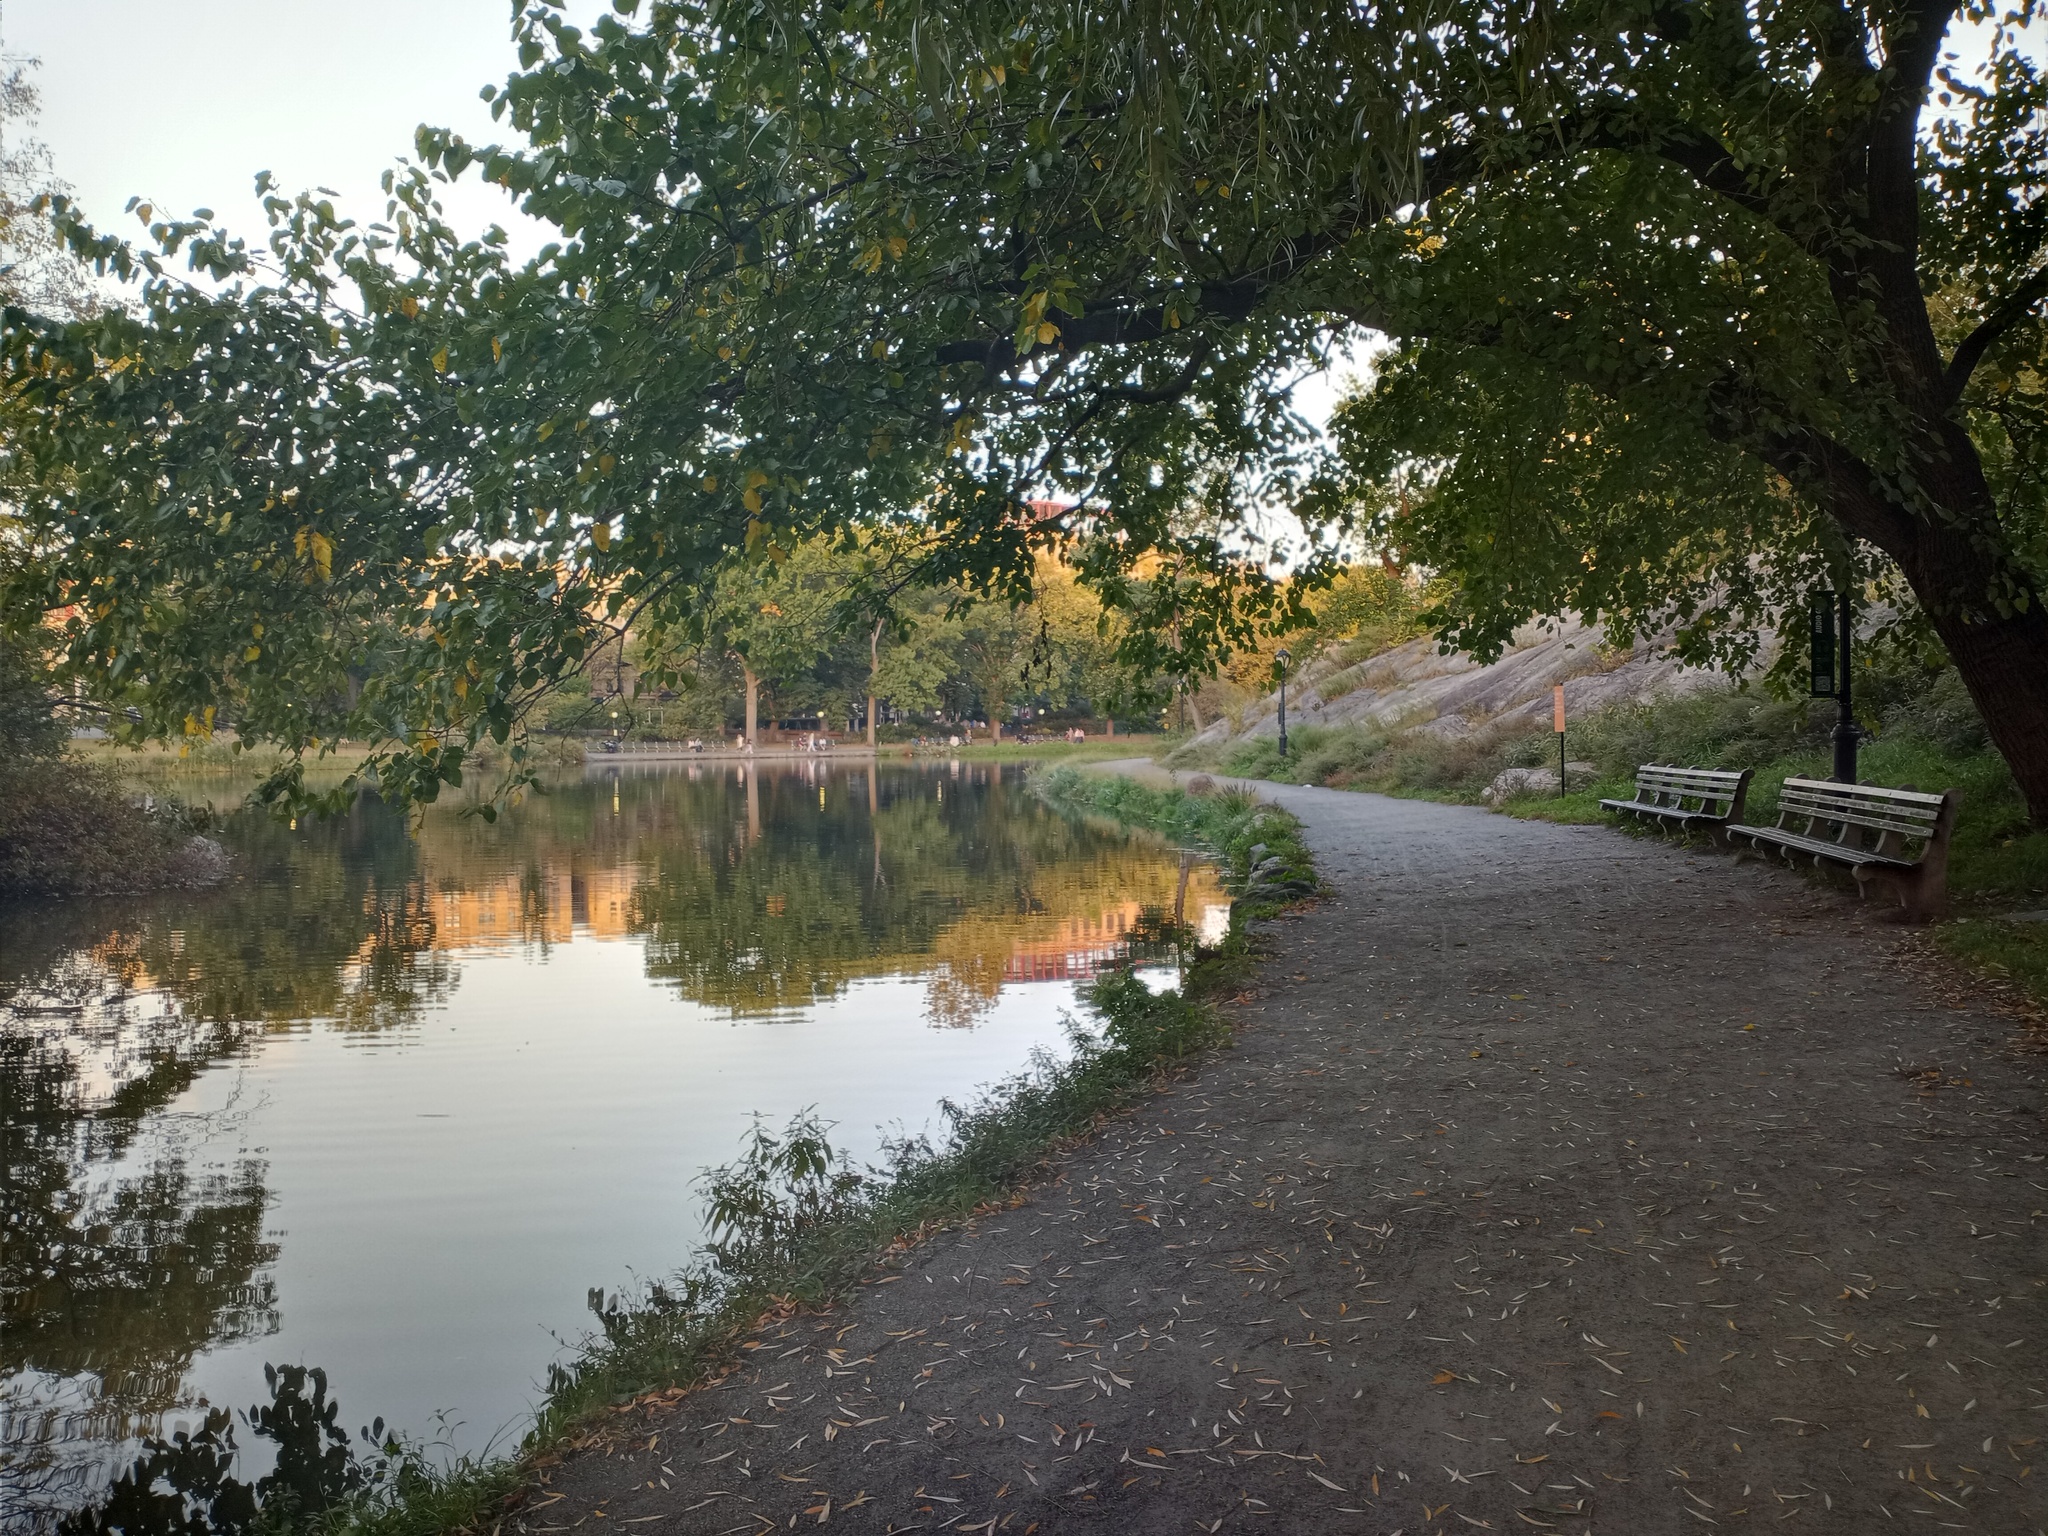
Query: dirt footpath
[[1559, 1181]]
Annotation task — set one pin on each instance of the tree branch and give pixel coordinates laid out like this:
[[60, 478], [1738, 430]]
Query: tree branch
[[1996, 324]]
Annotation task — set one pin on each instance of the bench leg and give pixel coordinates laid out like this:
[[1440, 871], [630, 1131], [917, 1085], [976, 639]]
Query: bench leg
[[1922, 892]]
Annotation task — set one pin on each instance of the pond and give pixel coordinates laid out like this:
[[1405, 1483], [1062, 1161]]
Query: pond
[[397, 1097]]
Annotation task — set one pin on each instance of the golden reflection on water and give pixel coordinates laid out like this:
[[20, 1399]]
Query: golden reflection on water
[[805, 895]]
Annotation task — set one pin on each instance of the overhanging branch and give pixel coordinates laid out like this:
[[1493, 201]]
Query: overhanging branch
[[1980, 341]]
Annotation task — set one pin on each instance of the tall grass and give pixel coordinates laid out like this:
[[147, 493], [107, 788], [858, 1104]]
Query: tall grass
[[1231, 824]]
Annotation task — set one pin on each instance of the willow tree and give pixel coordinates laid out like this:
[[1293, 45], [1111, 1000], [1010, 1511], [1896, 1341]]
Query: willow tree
[[926, 261]]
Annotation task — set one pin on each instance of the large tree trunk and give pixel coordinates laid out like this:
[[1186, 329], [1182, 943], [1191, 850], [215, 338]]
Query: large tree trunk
[[753, 702], [2002, 658]]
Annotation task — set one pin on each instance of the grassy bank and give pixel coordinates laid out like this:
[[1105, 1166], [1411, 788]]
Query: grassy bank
[[1095, 749], [1926, 734], [793, 1225], [1242, 832]]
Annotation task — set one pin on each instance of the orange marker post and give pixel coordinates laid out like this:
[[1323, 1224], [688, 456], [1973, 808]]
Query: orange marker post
[[1557, 725]]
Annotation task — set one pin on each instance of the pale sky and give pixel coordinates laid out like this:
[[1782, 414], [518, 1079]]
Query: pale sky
[[182, 102]]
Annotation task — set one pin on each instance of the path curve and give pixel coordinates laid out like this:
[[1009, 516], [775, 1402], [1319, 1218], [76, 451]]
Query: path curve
[[1499, 1216]]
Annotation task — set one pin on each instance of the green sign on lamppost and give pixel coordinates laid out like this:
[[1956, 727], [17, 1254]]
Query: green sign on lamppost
[[1280, 668]]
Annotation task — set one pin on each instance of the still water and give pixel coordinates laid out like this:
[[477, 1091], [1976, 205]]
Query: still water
[[396, 1098]]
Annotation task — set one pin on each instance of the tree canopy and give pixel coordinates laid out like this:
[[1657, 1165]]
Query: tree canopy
[[1750, 291]]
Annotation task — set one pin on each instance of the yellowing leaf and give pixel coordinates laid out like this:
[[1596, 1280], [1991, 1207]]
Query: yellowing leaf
[[869, 260], [547, 430], [323, 555], [751, 501], [497, 350], [441, 361], [1048, 333], [754, 478], [605, 463], [1441, 1377], [897, 246], [252, 653], [410, 306], [601, 535], [711, 482]]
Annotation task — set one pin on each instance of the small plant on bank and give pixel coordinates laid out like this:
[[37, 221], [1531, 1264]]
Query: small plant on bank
[[792, 1224]]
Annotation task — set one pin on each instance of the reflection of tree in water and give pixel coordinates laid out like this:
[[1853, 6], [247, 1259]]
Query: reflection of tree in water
[[184, 1484], [121, 1259], [945, 876], [332, 921], [120, 1263]]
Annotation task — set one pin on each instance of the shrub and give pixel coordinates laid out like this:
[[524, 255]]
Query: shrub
[[68, 827]]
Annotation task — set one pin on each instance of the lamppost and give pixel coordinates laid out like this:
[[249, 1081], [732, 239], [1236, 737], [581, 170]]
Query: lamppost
[[1280, 665], [1830, 673]]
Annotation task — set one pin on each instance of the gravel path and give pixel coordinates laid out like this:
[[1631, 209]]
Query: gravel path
[[1559, 1181]]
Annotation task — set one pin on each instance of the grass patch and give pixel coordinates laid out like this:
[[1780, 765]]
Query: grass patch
[[2001, 949], [793, 1225], [1259, 846], [1094, 750]]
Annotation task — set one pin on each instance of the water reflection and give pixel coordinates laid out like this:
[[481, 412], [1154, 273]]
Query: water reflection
[[397, 1096], [120, 1261]]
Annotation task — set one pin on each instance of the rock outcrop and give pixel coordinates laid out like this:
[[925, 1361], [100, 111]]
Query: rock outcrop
[[1415, 687]]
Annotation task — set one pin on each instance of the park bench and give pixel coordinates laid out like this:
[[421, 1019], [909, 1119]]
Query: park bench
[[1892, 837], [1687, 797]]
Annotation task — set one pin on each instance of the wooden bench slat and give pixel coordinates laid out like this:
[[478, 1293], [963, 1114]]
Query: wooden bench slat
[[1907, 814]]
